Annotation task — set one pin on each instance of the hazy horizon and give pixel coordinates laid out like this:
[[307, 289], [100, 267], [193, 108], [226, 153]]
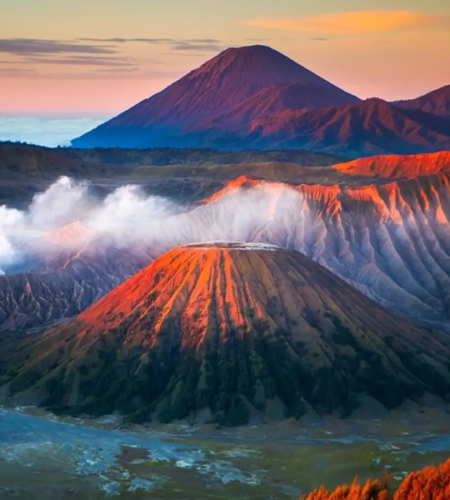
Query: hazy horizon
[[46, 131]]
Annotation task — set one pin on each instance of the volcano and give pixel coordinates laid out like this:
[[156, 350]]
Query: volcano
[[238, 80], [229, 332]]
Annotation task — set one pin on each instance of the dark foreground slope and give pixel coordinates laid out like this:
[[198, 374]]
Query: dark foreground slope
[[169, 157], [230, 333]]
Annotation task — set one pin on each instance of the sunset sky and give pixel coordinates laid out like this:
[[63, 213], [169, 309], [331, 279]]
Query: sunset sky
[[90, 59]]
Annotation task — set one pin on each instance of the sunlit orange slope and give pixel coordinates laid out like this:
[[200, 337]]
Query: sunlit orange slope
[[398, 167]]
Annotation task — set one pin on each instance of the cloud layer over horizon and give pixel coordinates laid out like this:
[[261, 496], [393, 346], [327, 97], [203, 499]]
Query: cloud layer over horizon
[[50, 132]]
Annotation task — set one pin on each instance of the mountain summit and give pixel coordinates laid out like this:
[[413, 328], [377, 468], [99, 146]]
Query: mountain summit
[[229, 332], [216, 88]]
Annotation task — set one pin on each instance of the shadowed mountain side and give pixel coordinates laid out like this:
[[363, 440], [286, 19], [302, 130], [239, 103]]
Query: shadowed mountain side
[[275, 99], [230, 333], [436, 102]]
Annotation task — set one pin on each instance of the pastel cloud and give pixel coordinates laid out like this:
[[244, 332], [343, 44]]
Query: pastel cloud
[[91, 58], [191, 44], [95, 52], [33, 46], [350, 22], [84, 61]]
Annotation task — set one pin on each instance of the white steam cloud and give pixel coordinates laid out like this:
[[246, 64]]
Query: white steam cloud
[[123, 216], [129, 211]]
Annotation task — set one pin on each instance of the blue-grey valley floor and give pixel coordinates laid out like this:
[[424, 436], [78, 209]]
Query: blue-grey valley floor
[[42, 457]]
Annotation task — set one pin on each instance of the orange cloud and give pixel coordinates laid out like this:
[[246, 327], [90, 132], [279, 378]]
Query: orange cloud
[[350, 22]]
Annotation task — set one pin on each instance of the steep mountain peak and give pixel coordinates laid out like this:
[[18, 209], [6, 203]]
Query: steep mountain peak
[[247, 51], [256, 66], [215, 88], [257, 49]]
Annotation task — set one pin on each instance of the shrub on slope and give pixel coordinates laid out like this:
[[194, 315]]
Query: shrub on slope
[[430, 483]]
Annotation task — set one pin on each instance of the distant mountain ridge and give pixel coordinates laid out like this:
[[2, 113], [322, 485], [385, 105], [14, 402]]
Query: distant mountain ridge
[[367, 128], [436, 102]]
